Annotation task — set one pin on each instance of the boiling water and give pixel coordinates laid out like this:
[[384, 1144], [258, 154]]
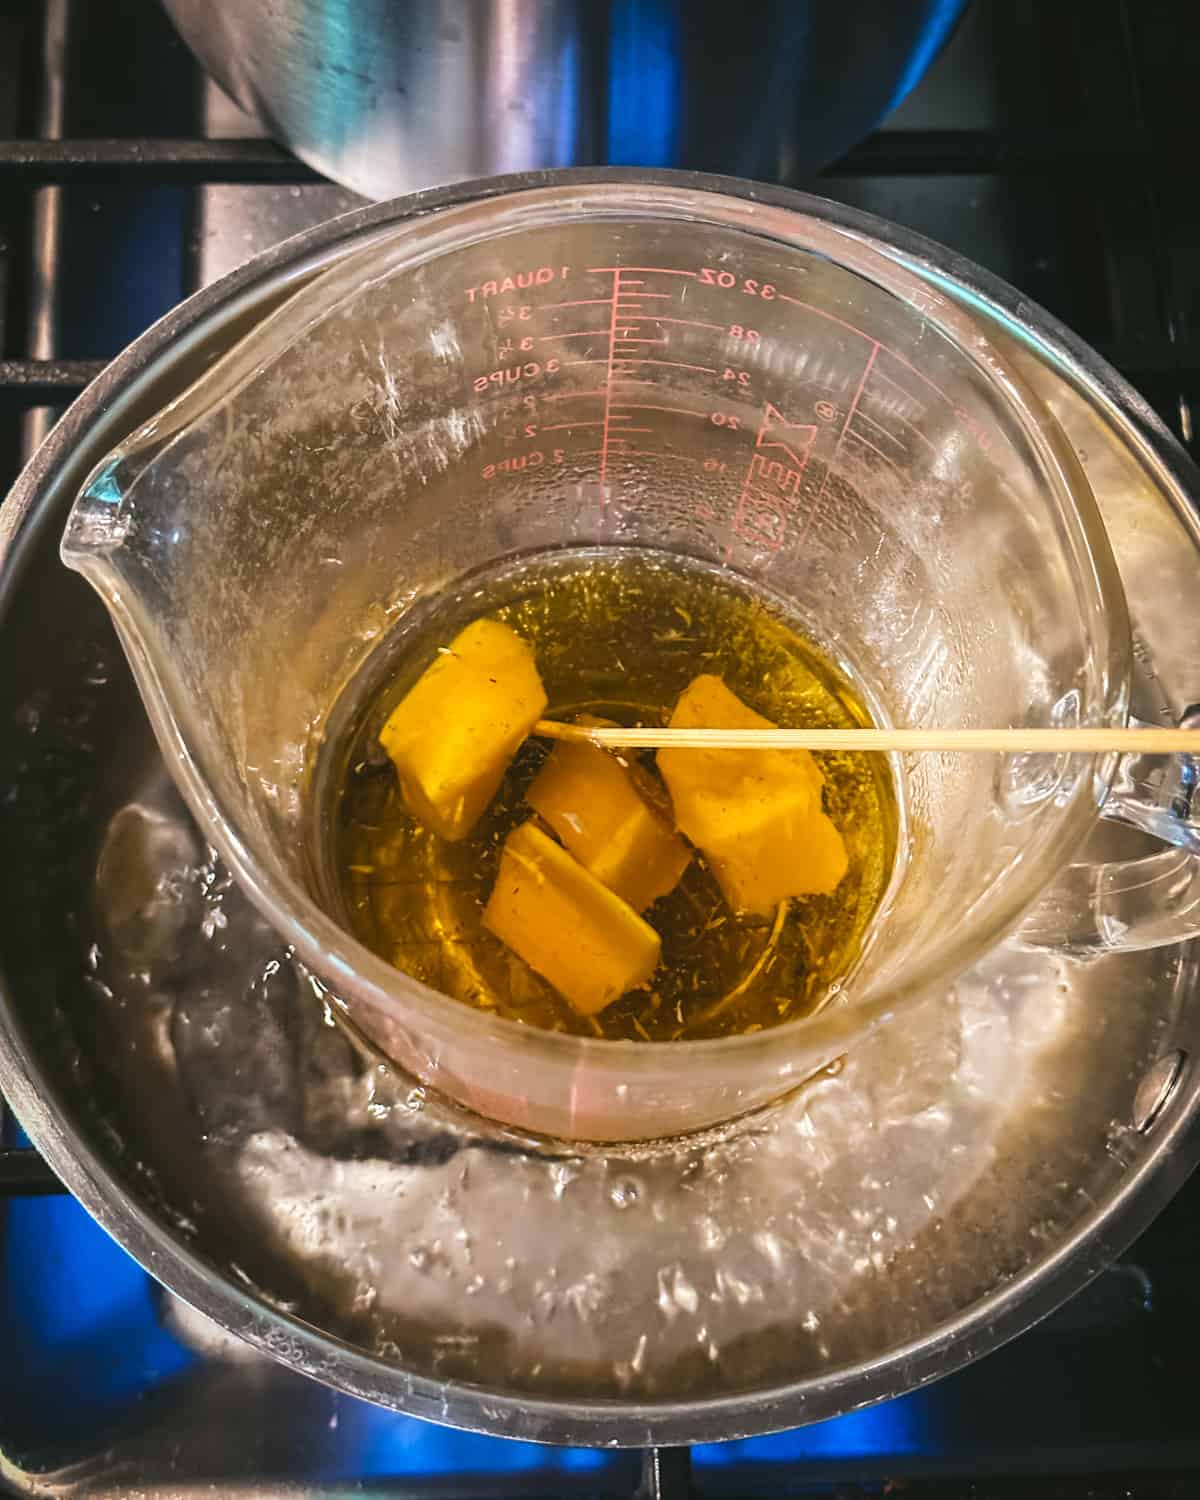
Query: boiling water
[[854, 1215], [619, 634]]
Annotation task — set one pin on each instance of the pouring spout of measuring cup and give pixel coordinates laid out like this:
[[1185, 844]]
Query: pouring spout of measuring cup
[[112, 540], [121, 536], [99, 520]]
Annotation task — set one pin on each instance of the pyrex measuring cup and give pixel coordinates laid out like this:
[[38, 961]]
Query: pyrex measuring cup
[[635, 365]]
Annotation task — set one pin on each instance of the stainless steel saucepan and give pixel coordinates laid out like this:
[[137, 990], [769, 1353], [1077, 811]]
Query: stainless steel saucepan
[[879, 1229], [388, 96]]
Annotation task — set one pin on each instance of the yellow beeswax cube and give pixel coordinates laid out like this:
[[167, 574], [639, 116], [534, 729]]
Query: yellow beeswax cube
[[592, 802], [567, 925], [756, 814], [452, 737]]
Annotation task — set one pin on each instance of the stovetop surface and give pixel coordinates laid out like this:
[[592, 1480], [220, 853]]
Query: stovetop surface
[[1049, 143]]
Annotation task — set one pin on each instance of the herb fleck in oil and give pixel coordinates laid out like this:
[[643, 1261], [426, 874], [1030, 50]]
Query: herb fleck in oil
[[617, 633]]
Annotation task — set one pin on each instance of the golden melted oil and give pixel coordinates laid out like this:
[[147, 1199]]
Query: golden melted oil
[[618, 633]]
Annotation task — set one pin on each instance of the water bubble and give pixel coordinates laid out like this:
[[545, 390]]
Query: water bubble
[[625, 1192], [769, 1245], [214, 921], [713, 1236], [562, 1175]]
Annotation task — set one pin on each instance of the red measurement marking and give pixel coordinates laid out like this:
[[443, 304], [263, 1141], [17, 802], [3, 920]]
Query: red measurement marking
[[608, 382], [522, 280], [675, 364], [862, 381], [567, 363], [582, 302], [793, 439], [683, 458], [584, 333], [683, 322], [882, 431], [912, 369], [871, 422], [618, 334], [534, 459], [858, 438], [511, 374], [641, 296], [575, 395], [563, 426], [683, 411], [828, 316], [862, 334], [772, 481], [887, 379], [619, 270], [900, 417]]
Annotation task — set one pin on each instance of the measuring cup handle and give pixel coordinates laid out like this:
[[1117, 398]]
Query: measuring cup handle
[[1121, 906]]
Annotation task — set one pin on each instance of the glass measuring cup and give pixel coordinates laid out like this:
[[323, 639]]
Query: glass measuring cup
[[641, 365]]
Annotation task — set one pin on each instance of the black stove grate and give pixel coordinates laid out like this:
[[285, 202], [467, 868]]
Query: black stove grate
[[22, 1170]]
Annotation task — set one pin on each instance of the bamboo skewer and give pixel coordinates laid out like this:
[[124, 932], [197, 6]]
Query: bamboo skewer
[[983, 741]]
